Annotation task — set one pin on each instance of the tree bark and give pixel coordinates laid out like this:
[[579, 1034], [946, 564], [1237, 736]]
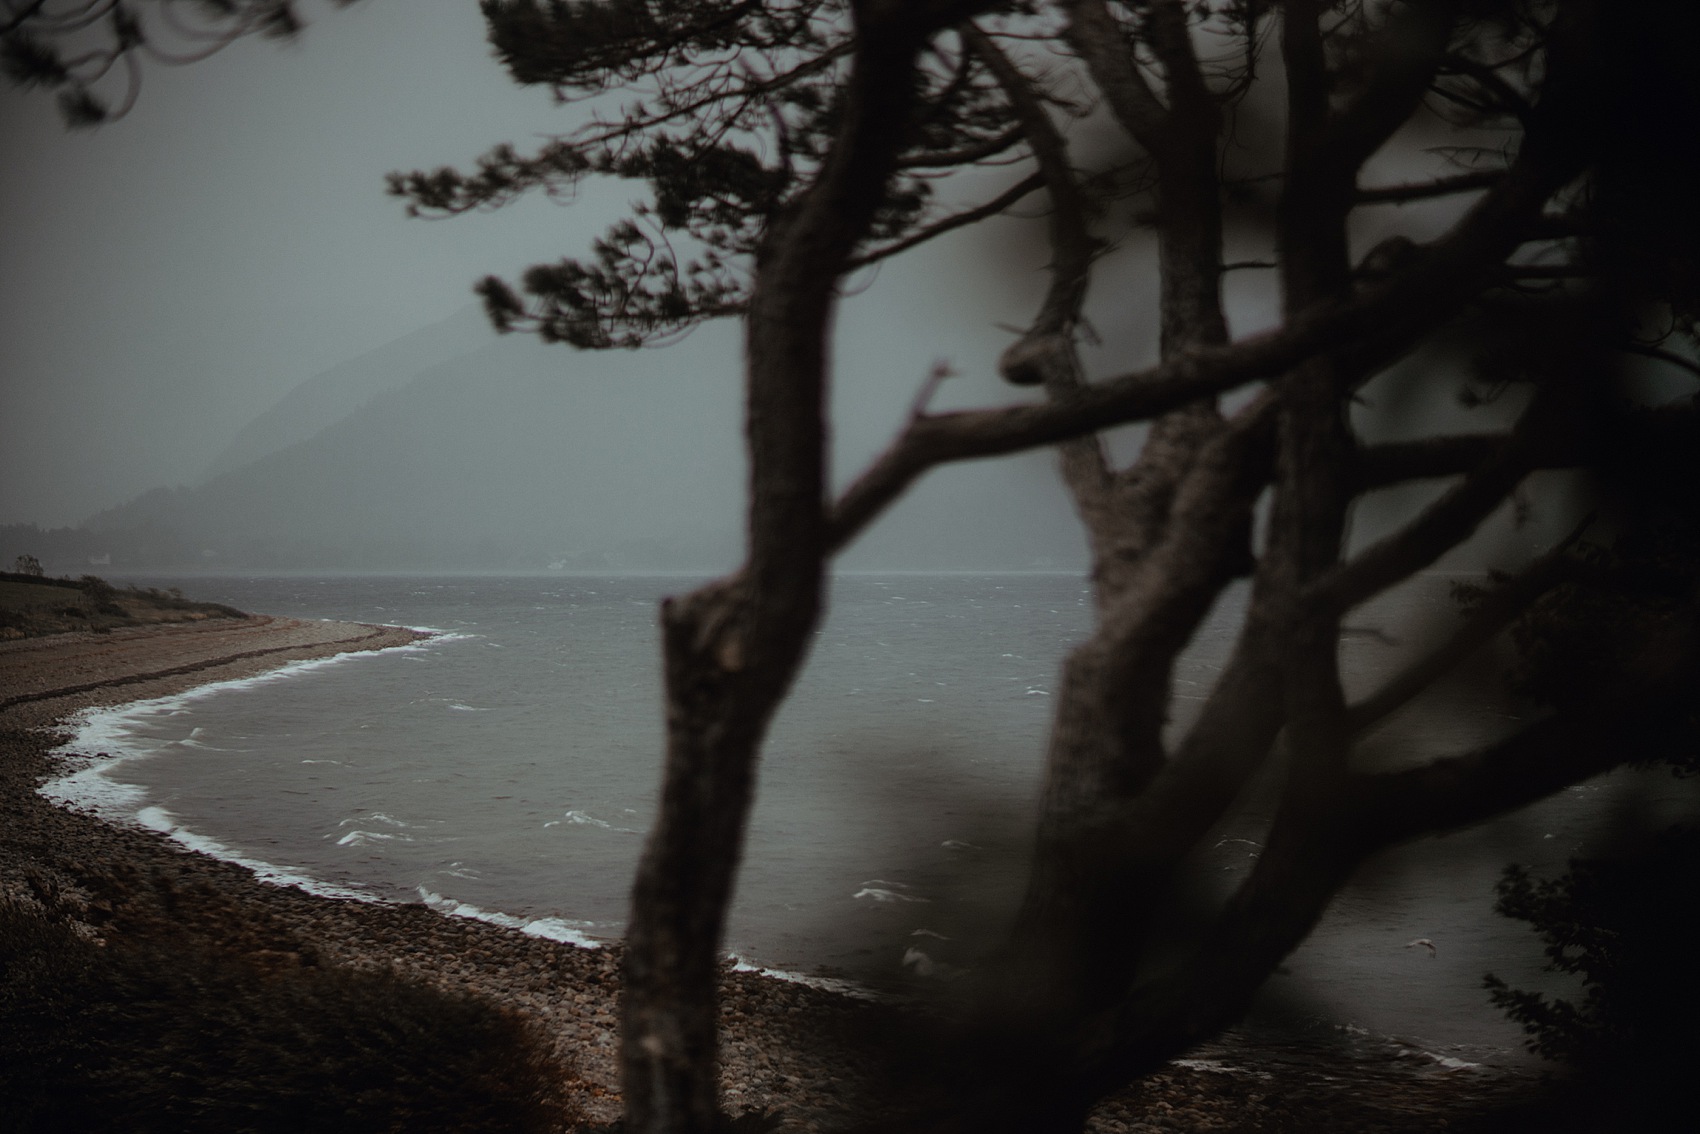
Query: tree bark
[[732, 648]]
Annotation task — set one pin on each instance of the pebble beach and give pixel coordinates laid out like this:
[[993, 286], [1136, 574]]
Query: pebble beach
[[788, 1046]]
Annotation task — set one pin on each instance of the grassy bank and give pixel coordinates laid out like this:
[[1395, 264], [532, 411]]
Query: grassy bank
[[32, 606]]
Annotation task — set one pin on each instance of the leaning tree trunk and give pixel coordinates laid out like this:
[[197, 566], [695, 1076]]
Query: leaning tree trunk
[[732, 648]]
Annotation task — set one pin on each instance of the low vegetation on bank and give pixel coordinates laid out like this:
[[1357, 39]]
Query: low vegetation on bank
[[33, 605], [159, 1032]]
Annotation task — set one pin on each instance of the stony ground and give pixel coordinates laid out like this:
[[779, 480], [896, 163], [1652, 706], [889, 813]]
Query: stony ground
[[802, 1050]]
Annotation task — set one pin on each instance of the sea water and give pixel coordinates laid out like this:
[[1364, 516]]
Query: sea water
[[508, 768]]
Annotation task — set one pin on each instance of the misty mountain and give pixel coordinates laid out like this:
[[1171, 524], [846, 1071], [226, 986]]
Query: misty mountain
[[514, 455], [328, 398]]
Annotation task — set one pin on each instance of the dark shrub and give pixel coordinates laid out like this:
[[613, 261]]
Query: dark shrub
[[1625, 926], [161, 1035]]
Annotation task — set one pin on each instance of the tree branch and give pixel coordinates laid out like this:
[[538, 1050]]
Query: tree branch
[[1408, 53], [966, 155], [1381, 322], [996, 205], [1575, 743], [1670, 356], [1498, 610], [1424, 190], [1438, 528], [1096, 38]]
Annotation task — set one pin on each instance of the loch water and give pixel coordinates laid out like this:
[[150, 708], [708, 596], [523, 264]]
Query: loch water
[[508, 767]]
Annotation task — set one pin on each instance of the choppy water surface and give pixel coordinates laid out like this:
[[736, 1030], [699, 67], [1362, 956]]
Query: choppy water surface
[[511, 764]]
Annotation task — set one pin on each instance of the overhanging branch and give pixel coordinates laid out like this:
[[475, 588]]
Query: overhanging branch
[[1497, 611]]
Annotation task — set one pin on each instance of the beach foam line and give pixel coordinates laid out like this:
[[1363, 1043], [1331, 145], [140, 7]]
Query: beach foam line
[[352, 645], [561, 929], [104, 733], [825, 984], [103, 739], [161, 820]]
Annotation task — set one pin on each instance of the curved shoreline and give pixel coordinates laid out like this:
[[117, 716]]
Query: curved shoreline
[[785, 1045], [88, 864], [377, 638]]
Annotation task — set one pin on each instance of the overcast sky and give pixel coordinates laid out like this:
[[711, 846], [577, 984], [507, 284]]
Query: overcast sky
[[172, 274]]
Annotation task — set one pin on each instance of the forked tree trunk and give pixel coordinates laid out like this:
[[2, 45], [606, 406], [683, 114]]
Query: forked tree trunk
[[732, 648], [723, 683]]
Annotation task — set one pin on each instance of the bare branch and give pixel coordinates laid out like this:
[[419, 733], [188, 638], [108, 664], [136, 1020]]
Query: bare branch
[[1670, 356], [1380, 322], [1497, 611], [1437, 529], [1424, 190], [967, 155], [1566, 748], [996, 205], [1096, 38], [1409, 51]]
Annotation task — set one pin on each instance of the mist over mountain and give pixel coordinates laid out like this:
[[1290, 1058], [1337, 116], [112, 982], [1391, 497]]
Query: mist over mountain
[[454, 449], [328, 398]]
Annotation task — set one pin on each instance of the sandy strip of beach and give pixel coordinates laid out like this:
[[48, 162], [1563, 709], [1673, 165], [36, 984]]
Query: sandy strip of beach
[[779, 1035], [786, 1045]]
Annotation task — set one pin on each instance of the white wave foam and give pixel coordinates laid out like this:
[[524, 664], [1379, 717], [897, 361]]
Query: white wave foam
[[550, 928], [375, 817], [359, 838], [1203, 1065], [113, 734], [825, 984], [1453, 1063], [157, 818], [585, 819], [882, 891]]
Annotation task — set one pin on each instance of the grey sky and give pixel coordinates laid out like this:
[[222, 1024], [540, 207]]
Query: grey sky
[[172, 274]]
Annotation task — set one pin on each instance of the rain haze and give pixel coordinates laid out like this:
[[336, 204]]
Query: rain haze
[[176, 281], [1141, 743]]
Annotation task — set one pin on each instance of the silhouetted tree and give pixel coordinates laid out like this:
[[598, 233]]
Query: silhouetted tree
[[1622, 926], [787, 144]]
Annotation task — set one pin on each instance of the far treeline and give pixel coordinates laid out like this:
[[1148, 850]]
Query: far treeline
[[1471, 225]]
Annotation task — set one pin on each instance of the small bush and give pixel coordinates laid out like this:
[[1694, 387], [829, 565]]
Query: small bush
[[1625, 926], [161, 1035]]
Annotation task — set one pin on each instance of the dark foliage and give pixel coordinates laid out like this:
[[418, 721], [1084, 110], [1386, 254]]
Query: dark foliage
[[90, 52], [728, 111], [1625, 927], [159, 1034]]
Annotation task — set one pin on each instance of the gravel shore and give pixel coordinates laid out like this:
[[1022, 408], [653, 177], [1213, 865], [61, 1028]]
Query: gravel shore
[[786, 1045]]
